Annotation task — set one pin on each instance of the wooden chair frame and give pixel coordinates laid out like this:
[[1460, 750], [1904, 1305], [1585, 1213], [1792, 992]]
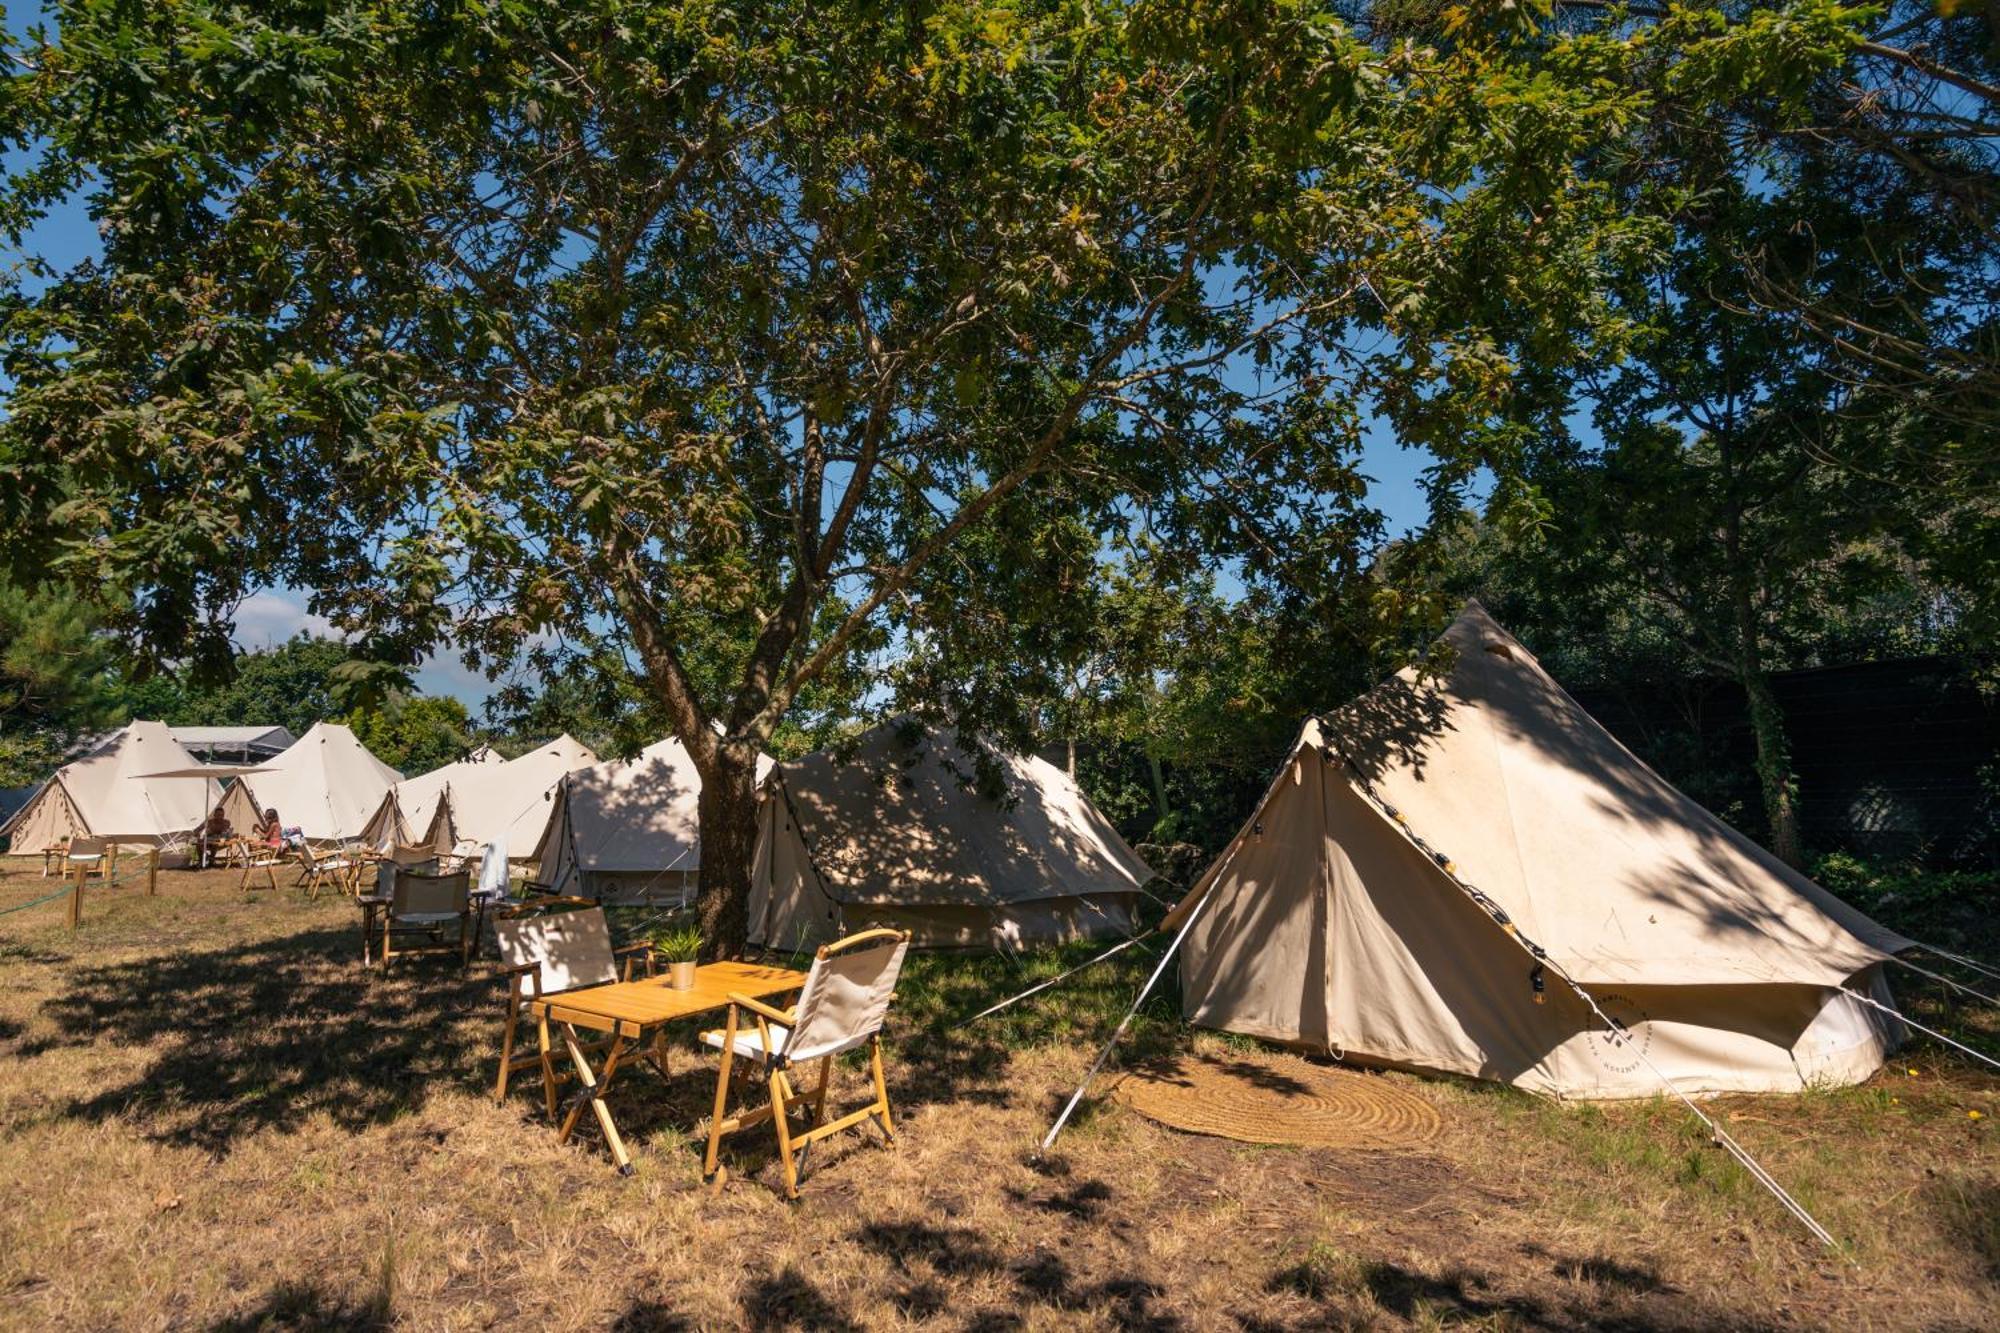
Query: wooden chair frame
[[341, 868], [101, 864], [262, 856], [785, 1097], [520, 996], [432, 929]]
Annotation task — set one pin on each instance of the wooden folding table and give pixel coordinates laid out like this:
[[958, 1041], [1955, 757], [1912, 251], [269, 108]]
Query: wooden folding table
[[635, 1015]]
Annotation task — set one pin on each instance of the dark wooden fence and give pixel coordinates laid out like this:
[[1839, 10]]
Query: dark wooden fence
[[1897, 759]]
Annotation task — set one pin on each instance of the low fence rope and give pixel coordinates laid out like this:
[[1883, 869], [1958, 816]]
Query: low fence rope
[[63, 892]]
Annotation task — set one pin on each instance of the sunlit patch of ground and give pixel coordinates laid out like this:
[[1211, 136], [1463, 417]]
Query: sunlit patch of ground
[[211, 1116]]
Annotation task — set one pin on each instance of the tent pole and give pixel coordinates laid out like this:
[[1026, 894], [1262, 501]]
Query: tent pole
[[1123, 1023]]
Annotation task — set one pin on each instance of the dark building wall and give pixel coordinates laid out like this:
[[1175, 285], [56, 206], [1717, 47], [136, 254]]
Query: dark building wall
[[1894, 759]]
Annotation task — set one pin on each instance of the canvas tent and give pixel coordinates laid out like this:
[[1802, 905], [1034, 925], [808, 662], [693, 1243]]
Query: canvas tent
[[900, 833], [410, 807], [105, 794], [627, 830], [327, 785], [1339, 917], [506, 803]]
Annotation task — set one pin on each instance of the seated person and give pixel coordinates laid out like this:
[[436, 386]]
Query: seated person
[[215, 831], [271, 833]]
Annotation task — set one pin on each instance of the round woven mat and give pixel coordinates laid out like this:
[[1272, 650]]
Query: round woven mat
[[1278, 1100]]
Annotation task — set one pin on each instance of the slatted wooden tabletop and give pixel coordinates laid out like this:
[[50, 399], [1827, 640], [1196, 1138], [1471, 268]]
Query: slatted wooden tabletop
[[629, 1007]]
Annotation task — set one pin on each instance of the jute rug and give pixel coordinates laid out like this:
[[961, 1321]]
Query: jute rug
[[1278, 1099]]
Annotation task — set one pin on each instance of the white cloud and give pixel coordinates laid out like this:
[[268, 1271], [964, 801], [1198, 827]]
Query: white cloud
[[270, 617], [267, 618]]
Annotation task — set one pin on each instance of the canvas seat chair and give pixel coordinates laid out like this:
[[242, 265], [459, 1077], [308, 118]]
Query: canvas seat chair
[[97, 857], [426, 907], [841, 1008], [262, 856], [547, 949], [342, 869]]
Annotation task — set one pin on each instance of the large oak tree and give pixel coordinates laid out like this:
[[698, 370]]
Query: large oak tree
[[732, 342]]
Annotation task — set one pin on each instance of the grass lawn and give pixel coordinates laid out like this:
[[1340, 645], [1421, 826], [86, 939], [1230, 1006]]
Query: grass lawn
[[212, 1117]]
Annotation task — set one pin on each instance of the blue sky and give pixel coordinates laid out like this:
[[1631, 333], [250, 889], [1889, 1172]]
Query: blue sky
[[273, 615]]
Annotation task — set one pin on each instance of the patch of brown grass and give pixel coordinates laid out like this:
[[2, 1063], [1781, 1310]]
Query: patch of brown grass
[[211, 1116]]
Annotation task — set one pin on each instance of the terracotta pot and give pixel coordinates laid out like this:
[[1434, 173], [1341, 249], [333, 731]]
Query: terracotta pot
[[680, 976]]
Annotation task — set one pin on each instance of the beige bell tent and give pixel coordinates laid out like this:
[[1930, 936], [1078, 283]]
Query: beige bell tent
[[409, 809], [899, 833], [627, 830], [106, 794], [508, 802], [327, 785], [1343, 918]]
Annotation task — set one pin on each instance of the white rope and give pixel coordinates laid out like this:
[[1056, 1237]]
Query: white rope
[[1928, 1032], [1123, 1023], [1961, 960], [1033, 990], [1939, 976], [1718, 1135]]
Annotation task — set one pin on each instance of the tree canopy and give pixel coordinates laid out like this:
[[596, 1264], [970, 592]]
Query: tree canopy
[[752, 362]]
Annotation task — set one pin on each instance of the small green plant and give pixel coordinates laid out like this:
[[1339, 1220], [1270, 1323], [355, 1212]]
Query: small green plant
[[681, 944]]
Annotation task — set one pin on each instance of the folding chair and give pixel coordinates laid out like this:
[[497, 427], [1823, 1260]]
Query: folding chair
[[841, 1008], [97, 857], [545, 952], [340, 868], [424, 905], [262, 856]]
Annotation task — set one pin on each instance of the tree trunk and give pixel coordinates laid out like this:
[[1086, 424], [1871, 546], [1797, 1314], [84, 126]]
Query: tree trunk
[[1774, 768], [728, 813]]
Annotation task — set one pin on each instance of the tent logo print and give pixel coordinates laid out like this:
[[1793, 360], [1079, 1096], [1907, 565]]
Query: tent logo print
[[1621, 1052]]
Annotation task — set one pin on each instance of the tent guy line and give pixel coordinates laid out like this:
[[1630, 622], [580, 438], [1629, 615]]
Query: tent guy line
[[1939, 976], [1960, 959], [1619, 1034], [1928, 1032], [1036, 989], [1118, 1032]]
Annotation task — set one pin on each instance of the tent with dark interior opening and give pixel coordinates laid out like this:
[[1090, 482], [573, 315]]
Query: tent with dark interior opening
[[962, 848], [1342, 917]]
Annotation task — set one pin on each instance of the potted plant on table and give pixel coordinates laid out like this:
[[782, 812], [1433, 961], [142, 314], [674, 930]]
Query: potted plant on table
[[678, 948]]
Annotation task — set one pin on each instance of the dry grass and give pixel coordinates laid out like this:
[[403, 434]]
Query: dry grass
[[212, 1117]]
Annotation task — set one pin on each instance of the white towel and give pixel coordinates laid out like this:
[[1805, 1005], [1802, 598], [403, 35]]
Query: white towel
[[493, 870]]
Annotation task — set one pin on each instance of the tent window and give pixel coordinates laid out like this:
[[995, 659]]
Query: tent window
[[1500, 650]]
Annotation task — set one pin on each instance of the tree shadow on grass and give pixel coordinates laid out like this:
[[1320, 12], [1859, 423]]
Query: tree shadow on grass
[[788, 1299], [267, 1034], [305, 1306], [1968, 1211], [926, 1256]]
